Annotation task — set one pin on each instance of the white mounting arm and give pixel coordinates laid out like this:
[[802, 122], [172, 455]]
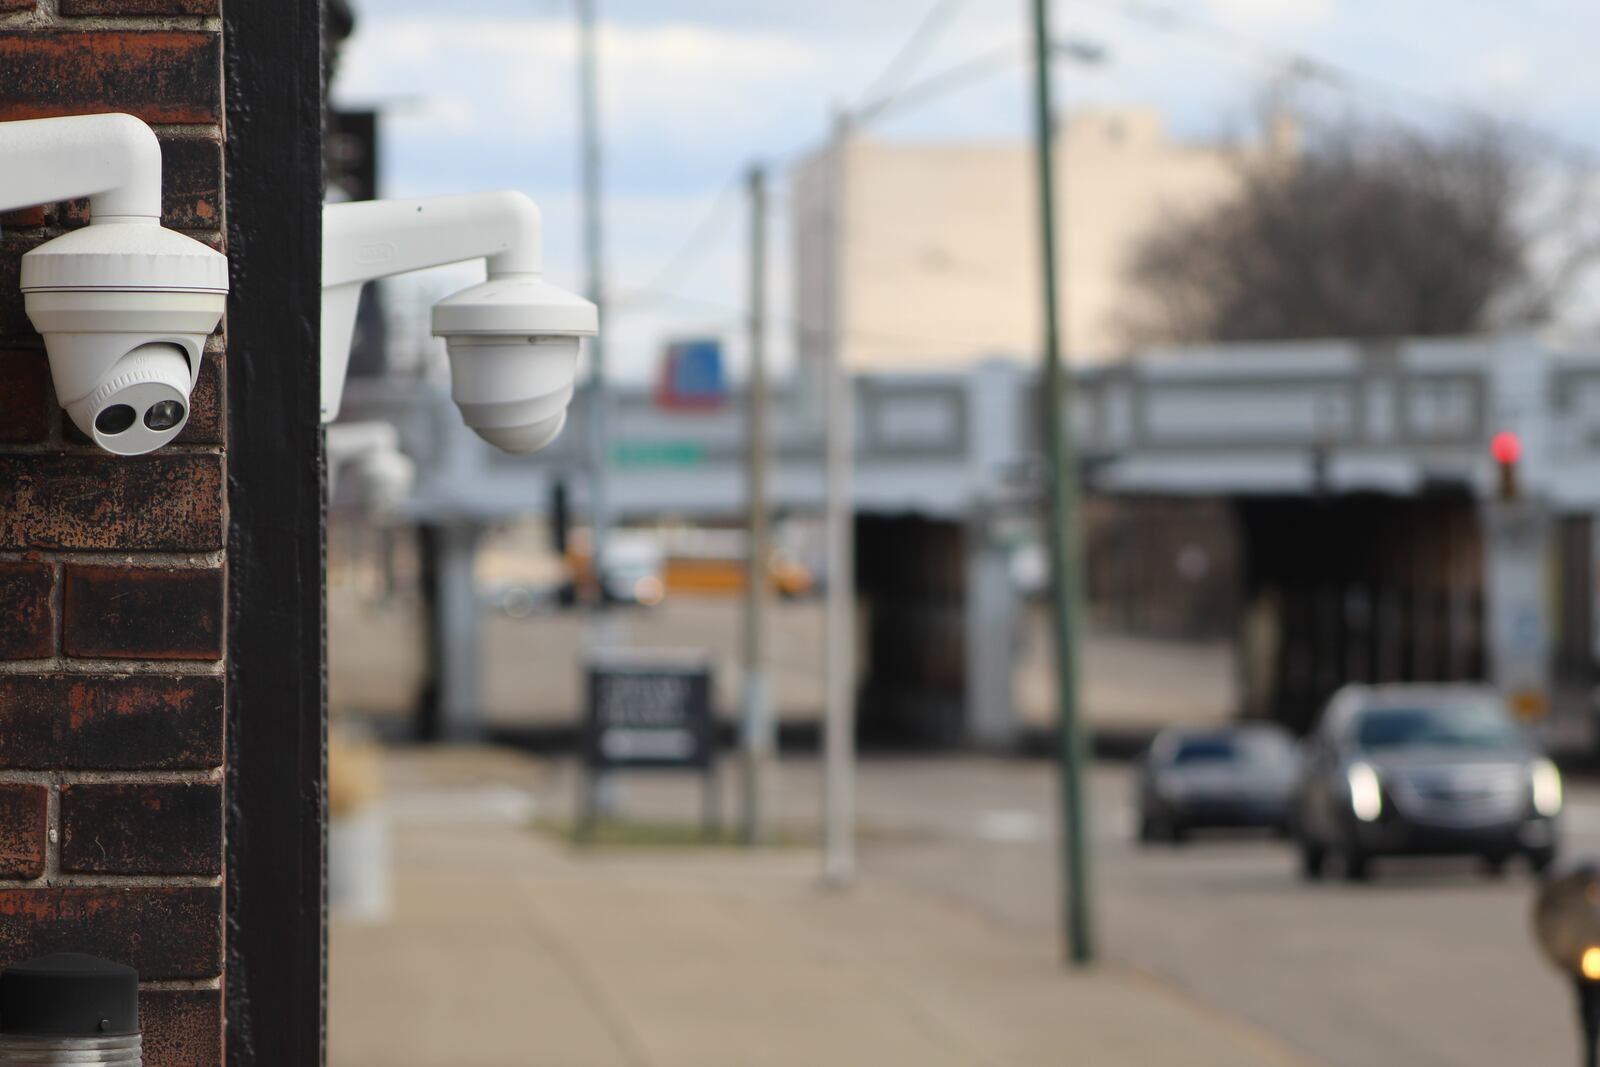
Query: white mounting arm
[[114, 160], [372, 239]]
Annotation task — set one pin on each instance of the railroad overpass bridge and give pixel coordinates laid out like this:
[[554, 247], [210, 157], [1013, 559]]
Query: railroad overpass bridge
[[1358, 478]]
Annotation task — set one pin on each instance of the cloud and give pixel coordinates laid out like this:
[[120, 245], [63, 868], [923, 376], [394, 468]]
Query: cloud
[[483, 95], [517, 77]]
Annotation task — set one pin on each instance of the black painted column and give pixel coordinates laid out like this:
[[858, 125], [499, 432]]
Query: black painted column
[[276, 716]]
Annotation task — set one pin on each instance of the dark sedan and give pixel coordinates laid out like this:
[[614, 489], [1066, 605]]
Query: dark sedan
[[1424, 770], [1236, 776]]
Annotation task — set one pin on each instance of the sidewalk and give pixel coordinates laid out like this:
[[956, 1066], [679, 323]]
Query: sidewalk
[[507, 948]]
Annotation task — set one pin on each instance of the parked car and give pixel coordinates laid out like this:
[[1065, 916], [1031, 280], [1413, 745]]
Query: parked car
[[1234, 776], [1424, 770]]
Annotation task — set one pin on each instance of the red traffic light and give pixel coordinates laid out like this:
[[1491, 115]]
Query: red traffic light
[[1506, 447]]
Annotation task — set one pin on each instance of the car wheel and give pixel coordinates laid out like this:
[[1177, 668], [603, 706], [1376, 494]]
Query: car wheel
[[1357, 866], [1541, 859], [1312, 859]]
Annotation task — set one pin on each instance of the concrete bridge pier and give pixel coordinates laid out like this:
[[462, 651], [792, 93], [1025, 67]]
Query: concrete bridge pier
[[451, 704]]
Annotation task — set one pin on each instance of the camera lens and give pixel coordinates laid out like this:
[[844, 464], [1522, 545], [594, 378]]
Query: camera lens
[[115, 419], [164, 415]]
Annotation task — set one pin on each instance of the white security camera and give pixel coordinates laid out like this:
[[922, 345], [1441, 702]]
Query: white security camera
[[370, 453], [512, 340], [124, 305]]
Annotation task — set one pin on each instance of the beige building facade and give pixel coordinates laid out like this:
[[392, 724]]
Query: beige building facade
[[936, 255]]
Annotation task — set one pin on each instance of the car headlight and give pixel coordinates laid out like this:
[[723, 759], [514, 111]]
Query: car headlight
[[1366, 794], [1546, 781]]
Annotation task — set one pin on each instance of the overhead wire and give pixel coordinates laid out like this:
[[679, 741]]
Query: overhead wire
[[1314, 69], [805, 329], [887, 93], [692, 252], [912, 54]]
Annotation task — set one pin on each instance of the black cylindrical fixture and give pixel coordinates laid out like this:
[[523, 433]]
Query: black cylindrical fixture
[[1589, 1020], [69, 1008]]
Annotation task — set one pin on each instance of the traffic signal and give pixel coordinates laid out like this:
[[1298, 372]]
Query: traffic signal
[[1506, 447]]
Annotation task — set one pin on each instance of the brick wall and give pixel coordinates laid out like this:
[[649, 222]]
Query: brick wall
[[113, 570]]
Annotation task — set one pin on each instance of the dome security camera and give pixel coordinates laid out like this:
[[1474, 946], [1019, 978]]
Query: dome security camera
[[512, 340], [369, 452], [124, 304]]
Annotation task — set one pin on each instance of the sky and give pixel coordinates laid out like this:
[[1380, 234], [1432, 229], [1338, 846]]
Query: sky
[[482, 94]]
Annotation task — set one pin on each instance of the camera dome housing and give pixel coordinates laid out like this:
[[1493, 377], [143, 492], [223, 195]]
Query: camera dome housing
[[124, 305], [125, 308], [512, 339], [513, 345]]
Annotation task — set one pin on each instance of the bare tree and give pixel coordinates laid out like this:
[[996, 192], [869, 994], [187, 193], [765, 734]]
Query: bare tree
[[1374, 230]]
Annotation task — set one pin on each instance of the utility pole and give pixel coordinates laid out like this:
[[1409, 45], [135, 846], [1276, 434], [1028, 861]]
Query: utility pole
[[1061, 463], [839, 723], [589, 121], [756, 727]]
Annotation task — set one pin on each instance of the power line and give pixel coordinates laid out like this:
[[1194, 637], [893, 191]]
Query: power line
[[912, 53], [946, 83], [935, 87], [805, 330], [1306, 67], [700, 241]]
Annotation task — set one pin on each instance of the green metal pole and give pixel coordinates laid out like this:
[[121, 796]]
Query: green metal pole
[[1061, 463]]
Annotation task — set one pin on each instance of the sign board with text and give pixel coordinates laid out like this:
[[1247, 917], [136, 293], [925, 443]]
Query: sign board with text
[[648, 710]]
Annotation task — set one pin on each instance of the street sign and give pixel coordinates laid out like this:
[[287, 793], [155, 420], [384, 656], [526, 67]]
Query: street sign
[[658, 454], [648, 710], [692, 377]]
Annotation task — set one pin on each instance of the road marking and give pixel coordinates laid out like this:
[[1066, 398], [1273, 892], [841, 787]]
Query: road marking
[[1011, 826]]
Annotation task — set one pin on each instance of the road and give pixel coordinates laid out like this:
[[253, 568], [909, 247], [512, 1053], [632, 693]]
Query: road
[[1430, 965]]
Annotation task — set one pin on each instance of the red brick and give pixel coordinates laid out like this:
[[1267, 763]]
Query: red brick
[[162, 502], [110, 722], [27, 610], [162, 932], [140, 7], [161, 76], [22, 829], [191, 186], [26, 406], [14, 324], [182, 1027], [23, 216], [142, 612], [206, 406], [17, 5], [159, 828]]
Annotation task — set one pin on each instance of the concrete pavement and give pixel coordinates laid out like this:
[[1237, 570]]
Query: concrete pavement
[[509, 948]]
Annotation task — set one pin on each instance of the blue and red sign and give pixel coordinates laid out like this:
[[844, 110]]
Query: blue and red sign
[[692, 377]]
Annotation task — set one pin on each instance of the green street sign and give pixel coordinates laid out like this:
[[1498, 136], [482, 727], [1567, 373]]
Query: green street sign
[[658, 454]]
